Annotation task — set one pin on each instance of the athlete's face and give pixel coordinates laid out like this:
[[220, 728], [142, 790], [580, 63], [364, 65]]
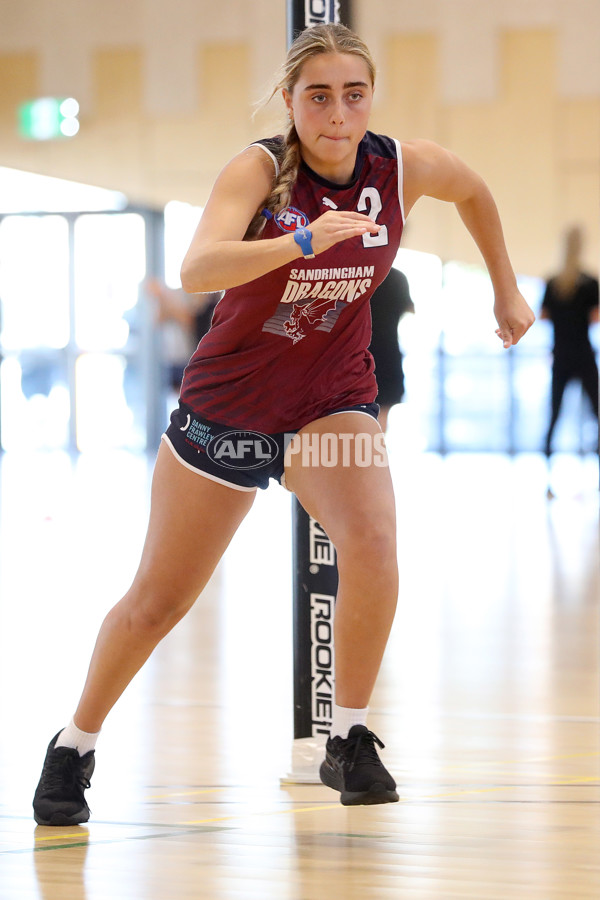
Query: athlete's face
[[330, 104]]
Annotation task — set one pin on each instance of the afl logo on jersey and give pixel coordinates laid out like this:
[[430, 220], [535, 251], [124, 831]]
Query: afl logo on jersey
[[291, 218]]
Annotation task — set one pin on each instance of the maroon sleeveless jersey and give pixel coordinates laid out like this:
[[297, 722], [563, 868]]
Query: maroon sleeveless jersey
[[291, 346]]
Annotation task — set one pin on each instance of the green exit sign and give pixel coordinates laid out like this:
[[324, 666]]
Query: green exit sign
[[48, 118]]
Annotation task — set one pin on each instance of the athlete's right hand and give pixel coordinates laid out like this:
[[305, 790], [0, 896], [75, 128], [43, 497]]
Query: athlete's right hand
[[337, 225]]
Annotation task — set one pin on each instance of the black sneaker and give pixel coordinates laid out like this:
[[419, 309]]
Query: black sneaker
[[59, 799], [352, 766]]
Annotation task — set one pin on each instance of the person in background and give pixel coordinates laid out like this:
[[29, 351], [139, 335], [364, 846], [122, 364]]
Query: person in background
[[192, 316], [389, 303], [571, 303]]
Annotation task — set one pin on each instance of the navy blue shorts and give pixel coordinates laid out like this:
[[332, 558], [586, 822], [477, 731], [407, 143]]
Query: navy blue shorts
[[238, 458]]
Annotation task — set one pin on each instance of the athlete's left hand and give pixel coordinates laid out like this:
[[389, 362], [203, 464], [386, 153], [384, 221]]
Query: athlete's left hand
[[514, 317]]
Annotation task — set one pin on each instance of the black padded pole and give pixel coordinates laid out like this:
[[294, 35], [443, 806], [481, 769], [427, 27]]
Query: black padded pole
[[302, 14], [315, 571]]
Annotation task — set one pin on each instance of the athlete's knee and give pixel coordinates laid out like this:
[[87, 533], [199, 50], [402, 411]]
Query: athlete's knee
[[371, 544], [152, 612]]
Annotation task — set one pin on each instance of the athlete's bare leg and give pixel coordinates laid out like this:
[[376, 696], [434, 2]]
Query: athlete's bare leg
[[192, 520], [355, 505]]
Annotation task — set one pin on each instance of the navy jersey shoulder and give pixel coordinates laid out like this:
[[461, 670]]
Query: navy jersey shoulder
[[379, 145], [275, 145]]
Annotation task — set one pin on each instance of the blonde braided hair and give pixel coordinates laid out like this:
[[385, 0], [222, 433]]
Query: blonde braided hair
[[331, 38]]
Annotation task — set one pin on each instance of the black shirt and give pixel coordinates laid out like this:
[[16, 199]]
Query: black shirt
[[570, 315], [388, 304]]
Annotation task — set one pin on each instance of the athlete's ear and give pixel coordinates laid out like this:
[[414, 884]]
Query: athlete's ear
[[287, 99]]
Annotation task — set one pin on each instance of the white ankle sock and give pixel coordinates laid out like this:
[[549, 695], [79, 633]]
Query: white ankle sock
[[344, 718], [79, 740]]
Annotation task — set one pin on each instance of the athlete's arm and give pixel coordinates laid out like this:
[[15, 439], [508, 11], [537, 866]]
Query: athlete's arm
[[218, 256], [432, 171]]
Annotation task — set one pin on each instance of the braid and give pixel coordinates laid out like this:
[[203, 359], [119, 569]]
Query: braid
[[288, 157], [289, 164]]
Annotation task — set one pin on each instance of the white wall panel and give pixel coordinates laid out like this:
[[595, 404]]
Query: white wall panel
[[66, 32]]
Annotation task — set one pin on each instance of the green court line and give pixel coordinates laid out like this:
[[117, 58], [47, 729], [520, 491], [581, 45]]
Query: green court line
[[116, 840]]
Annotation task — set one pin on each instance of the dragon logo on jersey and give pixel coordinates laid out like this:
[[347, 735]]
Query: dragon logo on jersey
[[291, 218], [302, 317], [317, 297]]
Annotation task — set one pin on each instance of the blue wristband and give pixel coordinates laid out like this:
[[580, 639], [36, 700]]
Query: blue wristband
[[303, 238]]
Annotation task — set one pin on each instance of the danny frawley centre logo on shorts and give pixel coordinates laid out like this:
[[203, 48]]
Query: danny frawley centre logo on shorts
[[242, 449]]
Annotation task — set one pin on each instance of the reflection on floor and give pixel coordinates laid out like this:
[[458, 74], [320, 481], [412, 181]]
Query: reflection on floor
[[487, 700]]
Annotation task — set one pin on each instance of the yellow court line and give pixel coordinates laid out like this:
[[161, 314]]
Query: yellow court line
[[486, 790], [271, 812], [508, 787], [187, 793], [577, 778], [515, 774], [474, 770], [81, 835], [518, 776], [526, 761], [412, 799]]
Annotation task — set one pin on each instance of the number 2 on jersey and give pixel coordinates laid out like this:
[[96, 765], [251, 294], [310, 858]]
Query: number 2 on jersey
[[370, 203]]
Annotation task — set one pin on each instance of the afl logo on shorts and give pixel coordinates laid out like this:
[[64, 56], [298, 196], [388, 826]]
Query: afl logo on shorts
[[291, 218], [242, 450]]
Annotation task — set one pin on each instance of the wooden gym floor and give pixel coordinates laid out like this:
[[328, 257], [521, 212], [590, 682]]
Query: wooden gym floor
[[487, 700]]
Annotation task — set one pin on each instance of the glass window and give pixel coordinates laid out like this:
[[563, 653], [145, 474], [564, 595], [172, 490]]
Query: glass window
[[34, 289], [181, 220], [34, 281], [105, 404], [467, 312], [35, 407], [476, 403], [110, 263]]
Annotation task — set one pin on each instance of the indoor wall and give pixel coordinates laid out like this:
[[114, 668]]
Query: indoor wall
[[167, 93]]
